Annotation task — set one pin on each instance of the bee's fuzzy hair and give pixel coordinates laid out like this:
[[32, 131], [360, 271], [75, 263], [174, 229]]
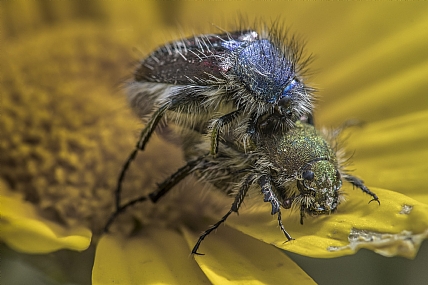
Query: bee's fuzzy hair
[[209, 97]]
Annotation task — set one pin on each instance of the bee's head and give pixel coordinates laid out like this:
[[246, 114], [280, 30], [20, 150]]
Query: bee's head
[[319, 187]]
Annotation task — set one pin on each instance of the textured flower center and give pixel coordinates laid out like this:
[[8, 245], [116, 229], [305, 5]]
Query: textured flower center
[[66, 131]]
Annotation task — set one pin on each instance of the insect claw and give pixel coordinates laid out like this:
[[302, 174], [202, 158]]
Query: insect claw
[[375, 199], [288, 240], [197, 253]]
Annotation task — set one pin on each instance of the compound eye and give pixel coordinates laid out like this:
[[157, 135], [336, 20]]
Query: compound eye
[[284, 101], [337, 174], [308, 175], [286, 204]]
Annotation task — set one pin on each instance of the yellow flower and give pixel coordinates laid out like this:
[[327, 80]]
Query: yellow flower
[[65, 131]]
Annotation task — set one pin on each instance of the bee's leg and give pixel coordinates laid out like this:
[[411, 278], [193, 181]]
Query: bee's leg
[[171, 181], [269, 196], [281, 226], [239, 198], [302, 214], [252, 123], [217, 125], [360, 184], [163, 188], [144, 138]]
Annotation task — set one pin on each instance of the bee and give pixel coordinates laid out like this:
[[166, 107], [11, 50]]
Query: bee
[[301, 168], [217, 82], [237, 74]]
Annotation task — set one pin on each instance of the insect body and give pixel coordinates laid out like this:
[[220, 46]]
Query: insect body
[[218, 82], [298, 168], [224, 78]]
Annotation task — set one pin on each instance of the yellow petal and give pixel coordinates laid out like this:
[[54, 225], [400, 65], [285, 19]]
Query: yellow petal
[[235, 258], [22, 229], [156, 256], [387, 78], [322, 236], [393, 154]]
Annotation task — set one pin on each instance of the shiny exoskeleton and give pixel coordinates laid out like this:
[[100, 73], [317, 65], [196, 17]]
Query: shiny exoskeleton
[[228, 79], [298, 168]]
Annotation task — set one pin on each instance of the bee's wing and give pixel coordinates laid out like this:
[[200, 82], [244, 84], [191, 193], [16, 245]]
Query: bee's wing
[[196, 60]]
